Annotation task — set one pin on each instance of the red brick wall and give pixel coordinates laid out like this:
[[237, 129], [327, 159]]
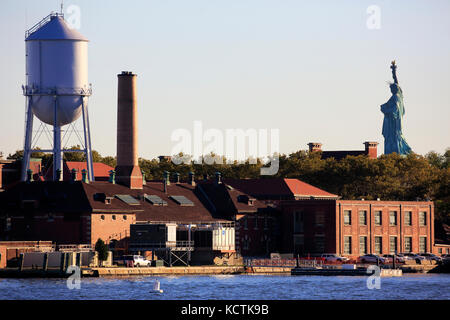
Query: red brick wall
[[311, 229], [102, 225], [40, 227], [256, 239], [385, 230], [335, 230]]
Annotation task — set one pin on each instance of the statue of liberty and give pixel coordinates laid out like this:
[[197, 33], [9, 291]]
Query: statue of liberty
[[393, 111]]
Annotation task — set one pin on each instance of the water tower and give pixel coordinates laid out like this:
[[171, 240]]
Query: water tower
[[57, 88]]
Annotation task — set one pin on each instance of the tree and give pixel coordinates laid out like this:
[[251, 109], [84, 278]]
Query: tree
[[102, 250]]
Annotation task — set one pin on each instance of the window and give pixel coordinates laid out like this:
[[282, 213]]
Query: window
[[298, 222], [423, 244], [319, 243], [102, 217], [393, 218], [266, 223], [407, 218], [245, 223], [245, 243], [378, 245], [393, 245], [8, 224], [362, 245], [124, 217], [363, 218], [347, 217], [320, 219], [440, 250], [378, 218], [256, 223], [348, 245], [408, 244], [422, 218], [114, 217]]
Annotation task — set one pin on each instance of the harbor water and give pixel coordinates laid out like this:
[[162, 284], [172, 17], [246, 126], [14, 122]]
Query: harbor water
[[231, 287]]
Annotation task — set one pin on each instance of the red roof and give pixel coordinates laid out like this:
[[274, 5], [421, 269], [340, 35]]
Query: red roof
[[101, 170], [277, 188], [303, 189]]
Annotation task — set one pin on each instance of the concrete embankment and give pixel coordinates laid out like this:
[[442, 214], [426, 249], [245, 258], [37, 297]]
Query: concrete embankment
[[192, 270]]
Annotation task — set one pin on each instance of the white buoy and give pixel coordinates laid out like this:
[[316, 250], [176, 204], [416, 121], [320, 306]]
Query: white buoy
[[156, 287]]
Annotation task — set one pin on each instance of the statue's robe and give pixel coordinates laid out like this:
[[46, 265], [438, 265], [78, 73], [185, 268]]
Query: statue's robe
[[393, 111]]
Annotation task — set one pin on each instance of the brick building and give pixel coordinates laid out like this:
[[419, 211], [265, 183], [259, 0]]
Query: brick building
[[357, 227], [370, 150]]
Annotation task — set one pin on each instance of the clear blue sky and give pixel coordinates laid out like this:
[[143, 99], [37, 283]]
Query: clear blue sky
[[310, 68]]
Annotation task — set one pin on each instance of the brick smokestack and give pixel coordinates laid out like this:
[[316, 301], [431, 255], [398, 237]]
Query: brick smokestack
[[315, 146], [371, 149], [127, 170]]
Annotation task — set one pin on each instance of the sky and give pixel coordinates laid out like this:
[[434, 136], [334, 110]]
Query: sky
[[315, 70]]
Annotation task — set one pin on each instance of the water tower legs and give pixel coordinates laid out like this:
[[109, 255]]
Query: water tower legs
[[87, 139], [57, 153], [57, 149], [28, 138]]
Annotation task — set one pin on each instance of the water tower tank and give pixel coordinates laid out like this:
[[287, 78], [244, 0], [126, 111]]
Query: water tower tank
[[56, 64]]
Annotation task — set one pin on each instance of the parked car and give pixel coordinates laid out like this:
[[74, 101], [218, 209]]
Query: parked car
[[136, 261], [431, 256], [404, 257], [372, 258], [414, 256], [390, 257], [331, 257]]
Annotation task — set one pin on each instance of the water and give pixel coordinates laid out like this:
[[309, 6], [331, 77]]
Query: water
[[231, 287]]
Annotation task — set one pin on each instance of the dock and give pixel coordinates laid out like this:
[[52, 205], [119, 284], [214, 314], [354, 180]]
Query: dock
[[344, 272]]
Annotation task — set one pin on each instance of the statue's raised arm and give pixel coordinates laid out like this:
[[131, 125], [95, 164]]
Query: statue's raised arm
[[394, 71]]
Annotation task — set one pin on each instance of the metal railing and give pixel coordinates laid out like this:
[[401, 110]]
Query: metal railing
[[168, 244], [42, 22], [74, 247], [291, 263]]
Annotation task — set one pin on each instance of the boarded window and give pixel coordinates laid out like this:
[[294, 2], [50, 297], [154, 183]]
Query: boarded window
[[408, 244], [422, 219], [378, 218], [407, 218], [378, 245], [347, 245], [363, 218], [363, 245], [347, 217], [393, 245], [393, 218], [423, 244]]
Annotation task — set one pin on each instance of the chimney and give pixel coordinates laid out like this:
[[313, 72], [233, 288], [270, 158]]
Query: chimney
[[112, 176], [315, 146], [58, 175], [371, 149], [166, 177], [84, 176], [73, 175], [144, 181], [29, 175], [218, 178], [191, 179], [127, 170]]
